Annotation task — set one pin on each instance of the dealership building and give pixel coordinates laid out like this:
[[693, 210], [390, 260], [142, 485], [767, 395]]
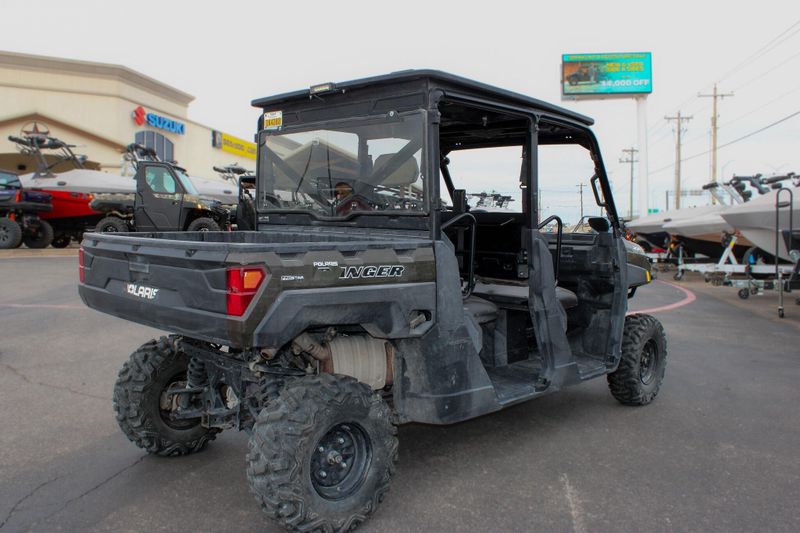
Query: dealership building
[[101, 108]]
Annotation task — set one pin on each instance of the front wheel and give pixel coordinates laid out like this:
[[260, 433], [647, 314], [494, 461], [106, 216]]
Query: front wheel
[[112, 225], [203, 224], [145, 411], [643, 362], [322, 454], [41, 238], [10, 234]]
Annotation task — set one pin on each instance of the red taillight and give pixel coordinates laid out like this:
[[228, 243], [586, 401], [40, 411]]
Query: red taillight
[[242, 285], [80, 264]]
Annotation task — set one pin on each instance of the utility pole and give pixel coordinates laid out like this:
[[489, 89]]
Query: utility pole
[[678, 130], [581, 186], [715, 95], [630, 157]]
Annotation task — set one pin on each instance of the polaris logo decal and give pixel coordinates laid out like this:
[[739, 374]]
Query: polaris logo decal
[[141, 291], [325, 266], [380, 271]]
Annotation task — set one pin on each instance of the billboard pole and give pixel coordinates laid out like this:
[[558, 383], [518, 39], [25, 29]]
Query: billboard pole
[[641, 140]]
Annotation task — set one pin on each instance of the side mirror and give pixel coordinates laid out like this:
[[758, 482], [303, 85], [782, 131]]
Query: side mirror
[[459, 201], [599, 224]]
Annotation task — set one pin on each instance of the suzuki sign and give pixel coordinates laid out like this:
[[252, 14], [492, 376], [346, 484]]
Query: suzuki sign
[[140, 116]]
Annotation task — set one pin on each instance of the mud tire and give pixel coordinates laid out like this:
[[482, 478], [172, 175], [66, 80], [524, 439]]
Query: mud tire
[[137, 394], [203, 224], [643, 342], [10, 234], [287, 436], [112, 225], [42, 238]]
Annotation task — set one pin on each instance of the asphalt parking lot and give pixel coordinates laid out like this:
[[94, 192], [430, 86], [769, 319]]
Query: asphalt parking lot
[[716, 451]]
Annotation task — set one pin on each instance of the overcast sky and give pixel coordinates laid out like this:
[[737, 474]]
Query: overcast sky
[[227, 53]]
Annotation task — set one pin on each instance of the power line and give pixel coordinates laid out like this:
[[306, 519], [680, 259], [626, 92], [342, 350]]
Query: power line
[[763, 50], [761, 76], [759, 108], [743, 137]]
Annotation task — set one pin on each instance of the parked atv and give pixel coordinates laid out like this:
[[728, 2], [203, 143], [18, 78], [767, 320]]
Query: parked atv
[[19, 215], [363, 301], [165, 200]]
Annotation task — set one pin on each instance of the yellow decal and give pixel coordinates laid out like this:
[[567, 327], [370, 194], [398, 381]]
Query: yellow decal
[[234, 145], [273, 120]]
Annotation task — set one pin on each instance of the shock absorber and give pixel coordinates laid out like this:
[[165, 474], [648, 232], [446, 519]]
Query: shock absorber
[[196, 375]]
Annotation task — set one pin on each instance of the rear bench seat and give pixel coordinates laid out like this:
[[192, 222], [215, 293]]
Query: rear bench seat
[[518, 294]]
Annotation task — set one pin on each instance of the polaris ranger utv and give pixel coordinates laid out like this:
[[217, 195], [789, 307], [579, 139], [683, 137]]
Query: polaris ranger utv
[[370, 296], [165, 200]]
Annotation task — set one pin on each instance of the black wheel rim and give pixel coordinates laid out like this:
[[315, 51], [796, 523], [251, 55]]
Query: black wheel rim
[[648, 365], [109, 229], [4, 237], [340, 461]]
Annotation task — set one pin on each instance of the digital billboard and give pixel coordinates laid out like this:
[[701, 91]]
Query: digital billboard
[[606, 74]]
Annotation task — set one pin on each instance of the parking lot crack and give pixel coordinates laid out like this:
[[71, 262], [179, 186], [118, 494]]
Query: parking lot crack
[[25, 497], [17, 372], [92, 489], [574, 502]]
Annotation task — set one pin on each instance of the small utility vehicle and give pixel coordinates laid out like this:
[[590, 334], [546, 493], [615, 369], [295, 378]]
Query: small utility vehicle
[[165, 200], [19, 214], [244, 215], [363, 301]]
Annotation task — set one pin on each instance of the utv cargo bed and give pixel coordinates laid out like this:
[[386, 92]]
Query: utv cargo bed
[[181, 281]]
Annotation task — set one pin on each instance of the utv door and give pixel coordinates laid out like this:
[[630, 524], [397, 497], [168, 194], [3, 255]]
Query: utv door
[[159, 199]]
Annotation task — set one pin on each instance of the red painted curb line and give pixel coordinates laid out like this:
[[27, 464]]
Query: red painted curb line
[[689, 298]]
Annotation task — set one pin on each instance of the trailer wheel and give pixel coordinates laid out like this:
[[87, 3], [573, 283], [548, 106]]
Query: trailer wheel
[[61, 240], [42, 238], [678, 275], [10, 234], [143, 408], [643, 362], [322, 454], [203, 224], [111, 225], [744, 294]]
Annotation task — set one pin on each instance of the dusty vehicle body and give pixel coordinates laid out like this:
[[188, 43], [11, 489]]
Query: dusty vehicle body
[[361, 279], [165, 200]]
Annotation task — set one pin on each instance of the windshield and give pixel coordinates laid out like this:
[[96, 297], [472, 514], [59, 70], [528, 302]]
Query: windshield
[[9, 181], [367, 167], [186, 182]]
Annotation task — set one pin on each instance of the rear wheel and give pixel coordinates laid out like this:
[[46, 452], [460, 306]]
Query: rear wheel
[[143, 407], [203, 224], [61, 240], [111, 225], [643, 362], [41, 238], [10, 234], [322, 454]]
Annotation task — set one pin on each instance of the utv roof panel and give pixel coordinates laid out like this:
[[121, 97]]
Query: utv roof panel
[[450, 80]]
